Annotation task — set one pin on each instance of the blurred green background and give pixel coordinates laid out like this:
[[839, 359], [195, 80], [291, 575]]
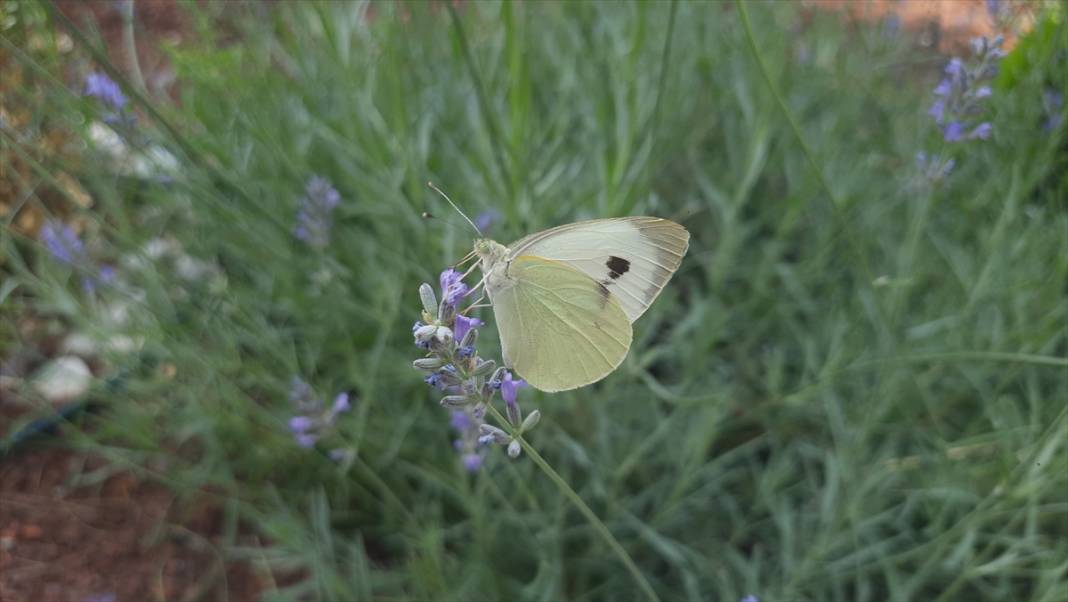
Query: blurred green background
[[853, 389]]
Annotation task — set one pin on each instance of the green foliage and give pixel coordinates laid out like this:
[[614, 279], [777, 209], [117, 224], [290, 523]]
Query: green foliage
[[850, 392]]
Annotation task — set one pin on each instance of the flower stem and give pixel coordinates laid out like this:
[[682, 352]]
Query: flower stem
[[570, 493]]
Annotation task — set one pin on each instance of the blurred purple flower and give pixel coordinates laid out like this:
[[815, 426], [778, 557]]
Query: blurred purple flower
[[750, 598], [485, 220], [63, 243], [1052, 105], [314, 219], [934, 167], [472, 462], [312, 421], [959, 95], [953, 131], [460, 420], [105, 90], [938, 110], [300, 424], [341, 403], [982, 131]]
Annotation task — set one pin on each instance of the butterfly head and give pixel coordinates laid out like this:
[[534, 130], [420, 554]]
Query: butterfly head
[[490, 252]]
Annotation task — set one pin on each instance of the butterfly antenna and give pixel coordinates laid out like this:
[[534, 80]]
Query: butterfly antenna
[[464, 215]]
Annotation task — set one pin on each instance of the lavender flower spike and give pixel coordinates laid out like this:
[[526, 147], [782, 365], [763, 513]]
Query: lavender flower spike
[[451, 365], [314, 214], [63, 243]]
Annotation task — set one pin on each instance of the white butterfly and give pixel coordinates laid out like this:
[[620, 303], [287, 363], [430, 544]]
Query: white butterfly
[[564, 299]]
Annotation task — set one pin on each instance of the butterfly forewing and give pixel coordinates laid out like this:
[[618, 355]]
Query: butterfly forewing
[[631, 257], [559, 328]]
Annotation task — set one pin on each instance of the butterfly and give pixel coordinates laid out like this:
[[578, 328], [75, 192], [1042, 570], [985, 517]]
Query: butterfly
[[564, 299]]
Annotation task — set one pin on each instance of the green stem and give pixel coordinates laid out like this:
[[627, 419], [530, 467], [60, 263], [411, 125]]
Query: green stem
[[570, 493], [126, 9]]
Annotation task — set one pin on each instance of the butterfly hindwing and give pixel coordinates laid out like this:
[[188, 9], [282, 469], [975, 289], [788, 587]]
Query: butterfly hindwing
[[559, 328], [632, 257]]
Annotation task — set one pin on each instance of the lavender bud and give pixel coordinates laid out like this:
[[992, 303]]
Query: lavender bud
[[514, 449], [514, 415], [430, 302], [447, 312], [428, 363], [531, 421], [443, 335], [456, 401], [470, 337], [484, 368], [498, 374], [497, 434], [425, 332]]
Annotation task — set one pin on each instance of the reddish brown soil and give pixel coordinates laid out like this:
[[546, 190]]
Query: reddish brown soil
[[125, 538]]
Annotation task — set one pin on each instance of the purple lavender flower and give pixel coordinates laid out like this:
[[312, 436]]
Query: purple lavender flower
[[301, 424], [452, 365], [958, 95], [63, 243], [464, 325], [1052, 105], [510, 387], [314, 218], [105, 90], [312, 421], [485, 220], [750, 598], [452, 287], [341, 403], [981, 131], [460, 420], [938, 110], [953, 131], [934, 167], [472, 462]]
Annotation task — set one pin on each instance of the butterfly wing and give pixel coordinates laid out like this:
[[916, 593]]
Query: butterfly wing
[[633, 257], [559, 328]]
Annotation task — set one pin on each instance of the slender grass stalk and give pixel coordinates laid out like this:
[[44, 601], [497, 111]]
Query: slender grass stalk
[[126, 9], [570, 493]]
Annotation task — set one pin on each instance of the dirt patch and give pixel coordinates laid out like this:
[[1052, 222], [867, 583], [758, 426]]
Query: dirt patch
[[121, 539]]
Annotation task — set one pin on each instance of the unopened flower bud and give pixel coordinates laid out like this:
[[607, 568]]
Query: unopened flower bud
[[456, 401], [430, 302], [498, 435], [428, 363], [514, 449], [484, 368], [531, 421]]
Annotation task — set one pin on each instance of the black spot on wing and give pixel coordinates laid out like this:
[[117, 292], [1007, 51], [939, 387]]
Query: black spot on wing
[[601, 288], [617, 266]]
